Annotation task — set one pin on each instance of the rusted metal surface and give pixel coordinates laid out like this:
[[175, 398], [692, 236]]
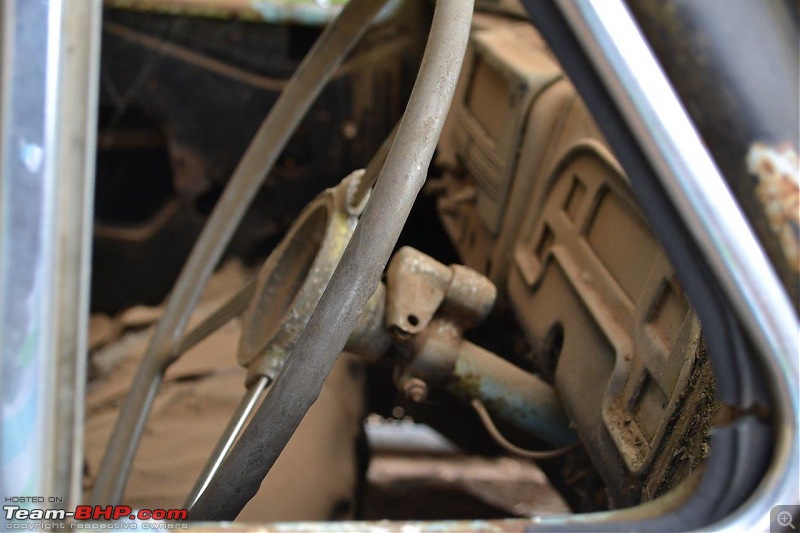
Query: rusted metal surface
[[428, 302], [440, 356], [428, 308], [739, 88], [778, 172], [418, 287]]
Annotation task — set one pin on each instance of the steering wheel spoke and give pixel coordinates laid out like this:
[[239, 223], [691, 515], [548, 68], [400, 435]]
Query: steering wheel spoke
[[310, 292], [271, 138]]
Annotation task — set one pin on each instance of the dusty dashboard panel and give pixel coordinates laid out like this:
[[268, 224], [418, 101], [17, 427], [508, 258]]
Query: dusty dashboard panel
[[539, 203], [592, 285], [507, 67]]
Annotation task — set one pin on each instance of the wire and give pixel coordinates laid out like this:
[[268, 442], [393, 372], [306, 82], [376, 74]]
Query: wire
[[513, 448]]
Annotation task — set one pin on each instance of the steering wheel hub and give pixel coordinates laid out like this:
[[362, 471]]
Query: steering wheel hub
[[292, 281]]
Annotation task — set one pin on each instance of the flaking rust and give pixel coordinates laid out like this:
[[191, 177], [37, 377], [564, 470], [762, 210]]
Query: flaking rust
[[778, 190]]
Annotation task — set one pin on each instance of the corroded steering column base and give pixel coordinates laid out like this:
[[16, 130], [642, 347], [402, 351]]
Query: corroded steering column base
[[292, 280], [428, 307]]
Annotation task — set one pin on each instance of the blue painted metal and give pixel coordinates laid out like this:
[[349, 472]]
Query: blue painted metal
[[510, 393]]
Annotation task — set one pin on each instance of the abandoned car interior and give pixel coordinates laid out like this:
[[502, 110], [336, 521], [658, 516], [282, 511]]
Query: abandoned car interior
[[399, 265]]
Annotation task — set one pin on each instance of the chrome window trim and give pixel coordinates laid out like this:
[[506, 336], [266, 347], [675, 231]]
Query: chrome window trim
[[650, 106]]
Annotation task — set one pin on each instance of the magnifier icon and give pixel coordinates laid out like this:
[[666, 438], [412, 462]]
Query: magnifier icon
[[785, 519]]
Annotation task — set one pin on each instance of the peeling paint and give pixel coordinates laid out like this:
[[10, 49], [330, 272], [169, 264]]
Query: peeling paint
[[778, 190]]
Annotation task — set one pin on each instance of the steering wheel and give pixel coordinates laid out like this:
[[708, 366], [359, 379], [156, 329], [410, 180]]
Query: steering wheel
[[324, 271]]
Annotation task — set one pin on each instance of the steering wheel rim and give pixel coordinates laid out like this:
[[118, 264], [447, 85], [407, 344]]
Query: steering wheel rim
[[356, 276], [354, 279], [295, 100]]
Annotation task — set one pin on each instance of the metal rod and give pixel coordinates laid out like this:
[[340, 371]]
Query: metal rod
[[232, 308], [49, 70], [307, 82], [227, 439], [511, 394], [357, 275]]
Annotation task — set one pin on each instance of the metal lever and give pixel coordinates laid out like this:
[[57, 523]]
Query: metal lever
[[228, 438]]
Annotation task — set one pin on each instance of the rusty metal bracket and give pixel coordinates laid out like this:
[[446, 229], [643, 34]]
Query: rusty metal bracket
[[428, 308], [419, 287]]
